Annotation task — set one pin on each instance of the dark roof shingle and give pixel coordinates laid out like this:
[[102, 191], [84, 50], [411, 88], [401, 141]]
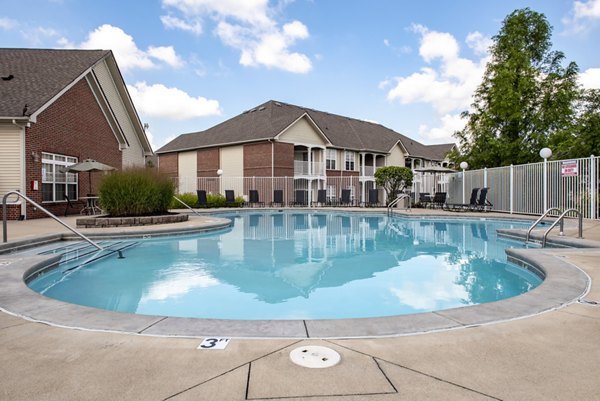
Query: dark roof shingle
[[38, 75]]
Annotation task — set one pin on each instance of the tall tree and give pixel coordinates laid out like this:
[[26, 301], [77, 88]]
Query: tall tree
[[526, 96]]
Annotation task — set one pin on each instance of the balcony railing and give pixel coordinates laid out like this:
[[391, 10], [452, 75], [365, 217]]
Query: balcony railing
[[369, 171], [308, 168]]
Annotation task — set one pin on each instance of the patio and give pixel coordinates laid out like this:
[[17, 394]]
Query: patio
[[548, 356]]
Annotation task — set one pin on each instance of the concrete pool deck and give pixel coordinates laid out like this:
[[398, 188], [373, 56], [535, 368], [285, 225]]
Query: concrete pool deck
[[547, 356]]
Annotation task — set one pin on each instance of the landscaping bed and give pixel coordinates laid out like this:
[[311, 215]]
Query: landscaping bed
[[104, 221]]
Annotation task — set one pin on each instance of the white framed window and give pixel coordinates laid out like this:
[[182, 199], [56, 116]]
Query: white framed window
[[350, 156], [330, 160], [56, 183], [352, 192], [331, 193]]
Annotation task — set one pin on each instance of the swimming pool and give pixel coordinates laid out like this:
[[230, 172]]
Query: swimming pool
[[297, 265]]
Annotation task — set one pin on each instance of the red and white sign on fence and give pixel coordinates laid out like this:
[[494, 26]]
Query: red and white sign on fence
[[569, 168]]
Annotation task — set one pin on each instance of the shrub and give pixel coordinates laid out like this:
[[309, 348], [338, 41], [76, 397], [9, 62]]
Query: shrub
[[189, 198], [218, 200], [136, 192]]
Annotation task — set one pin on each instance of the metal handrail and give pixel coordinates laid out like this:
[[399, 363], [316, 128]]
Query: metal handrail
[[186, 205], [395, 202], [561, 220], [538, 221], [5, 217]]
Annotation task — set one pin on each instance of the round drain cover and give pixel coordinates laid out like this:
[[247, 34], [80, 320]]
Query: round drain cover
[[314, 356]]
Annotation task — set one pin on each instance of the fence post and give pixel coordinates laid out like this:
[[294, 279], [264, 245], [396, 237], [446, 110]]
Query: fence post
[[510, 188], [593, 188], [485, 177], [545, 184]]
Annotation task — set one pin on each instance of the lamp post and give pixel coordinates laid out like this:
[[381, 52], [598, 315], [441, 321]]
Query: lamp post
[[220, 174], [464, 166], [545, 154]]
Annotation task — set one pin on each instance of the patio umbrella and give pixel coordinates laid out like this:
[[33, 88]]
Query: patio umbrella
[[89, 165], [435, 170]]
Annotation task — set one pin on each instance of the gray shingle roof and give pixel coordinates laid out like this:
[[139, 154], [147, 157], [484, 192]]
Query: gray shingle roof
[[271, 118], [38, 75]]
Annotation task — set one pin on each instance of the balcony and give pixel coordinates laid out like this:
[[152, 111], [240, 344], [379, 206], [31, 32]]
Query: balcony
[[369, 171], [308, 168]]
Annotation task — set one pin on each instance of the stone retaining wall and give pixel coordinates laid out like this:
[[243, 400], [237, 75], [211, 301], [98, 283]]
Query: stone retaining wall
[[96, 222]]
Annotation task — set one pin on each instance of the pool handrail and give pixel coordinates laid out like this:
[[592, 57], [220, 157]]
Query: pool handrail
[[186, 205], [395, 202], [538, 221], [50, 214], [560, 220]]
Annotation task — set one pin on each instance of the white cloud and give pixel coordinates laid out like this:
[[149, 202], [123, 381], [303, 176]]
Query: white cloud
[[39, 35], [128, 55], [158, 100], [250, 27], [166, 54], [583, 15], [171, 22], [447, 82], [7, 24], [590, 78]]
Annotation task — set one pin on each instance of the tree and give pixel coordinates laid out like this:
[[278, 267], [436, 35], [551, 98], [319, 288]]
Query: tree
[[393, 179], [526, 96]]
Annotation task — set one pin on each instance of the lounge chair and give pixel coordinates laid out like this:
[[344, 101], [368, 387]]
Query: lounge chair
[[229, 198], [277, 198], [483, 205], [321, 197], [345, 199], [439, 200], [424, 199], [457, 207], [373, 199], [202, 201], [301, 198], [253, 198]]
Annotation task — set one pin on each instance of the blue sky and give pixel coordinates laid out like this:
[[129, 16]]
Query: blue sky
[[190, 64]]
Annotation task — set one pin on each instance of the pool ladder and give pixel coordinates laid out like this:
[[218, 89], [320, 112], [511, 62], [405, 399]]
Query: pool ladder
[[559, 220], [395, 202]]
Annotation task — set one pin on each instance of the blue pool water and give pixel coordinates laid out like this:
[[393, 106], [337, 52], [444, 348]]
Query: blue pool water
[[297, 265]]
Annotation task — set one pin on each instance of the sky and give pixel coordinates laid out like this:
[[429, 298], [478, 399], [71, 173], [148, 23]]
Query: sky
[[411, 66]]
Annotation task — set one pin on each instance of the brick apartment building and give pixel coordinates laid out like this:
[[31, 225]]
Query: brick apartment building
[[57, 108], [292, 147]]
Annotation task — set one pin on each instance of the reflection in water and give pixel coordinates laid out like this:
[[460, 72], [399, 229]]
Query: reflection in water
[[304, 265]]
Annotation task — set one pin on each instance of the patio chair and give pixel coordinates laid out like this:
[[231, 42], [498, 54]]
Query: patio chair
[[424, 199], [483, 205], [439, 200], [300, 198], [457, 207], [321, 197], [253, 198], [277, 198], [373, 200], [202, 200], [229, 197], [345, 199], [70, 204]]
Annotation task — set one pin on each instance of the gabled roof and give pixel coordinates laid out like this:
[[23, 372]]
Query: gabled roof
[[268, 120], [29, 78]]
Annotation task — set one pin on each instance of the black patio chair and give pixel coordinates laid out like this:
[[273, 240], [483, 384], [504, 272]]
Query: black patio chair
[[70, 204], [439, 200], [202, 200], [253, 199], [229, 198], [463, 207], [277, 198], [483, 205], [373, 199], [300, 198], [345, 199], [424, 199], [321, 197]]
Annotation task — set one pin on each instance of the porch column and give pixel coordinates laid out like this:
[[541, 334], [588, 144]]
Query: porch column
[[310, 171]]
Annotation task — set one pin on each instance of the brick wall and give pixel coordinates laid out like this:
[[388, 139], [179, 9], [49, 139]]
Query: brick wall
[[168, 164], [257, 159], [284, 160], [73, 125], [208, 162]]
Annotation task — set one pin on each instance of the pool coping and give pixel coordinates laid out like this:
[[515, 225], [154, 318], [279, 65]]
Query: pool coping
[[564, 284]]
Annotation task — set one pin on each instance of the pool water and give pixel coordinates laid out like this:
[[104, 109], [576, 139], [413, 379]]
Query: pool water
[[297, 265]]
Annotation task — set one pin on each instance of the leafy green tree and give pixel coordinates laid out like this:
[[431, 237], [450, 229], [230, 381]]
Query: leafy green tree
[[526, 96], [583, 139], [393, 179]]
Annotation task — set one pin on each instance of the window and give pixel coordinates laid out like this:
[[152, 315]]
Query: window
[[349, 161], [330, 161], [55, 181], [331, 193]]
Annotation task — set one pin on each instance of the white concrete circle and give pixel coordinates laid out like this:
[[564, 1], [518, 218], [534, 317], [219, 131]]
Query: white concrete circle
[[315, 356]]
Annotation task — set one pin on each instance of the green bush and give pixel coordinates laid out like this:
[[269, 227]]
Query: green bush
[[189, 198], [218, 200], [136, 192]]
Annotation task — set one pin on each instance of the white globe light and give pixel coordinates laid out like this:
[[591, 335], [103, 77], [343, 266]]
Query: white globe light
[[219, 172], [464, 165], [545, 153]]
